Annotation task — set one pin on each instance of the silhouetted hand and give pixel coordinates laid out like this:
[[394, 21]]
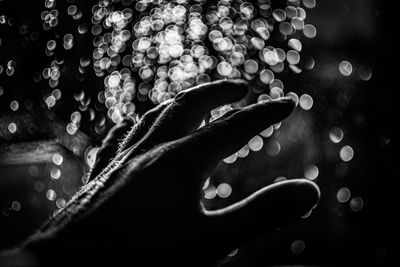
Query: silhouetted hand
[[142, 202]]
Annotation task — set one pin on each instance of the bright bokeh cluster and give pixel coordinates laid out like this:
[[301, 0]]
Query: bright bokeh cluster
[[174, 45]]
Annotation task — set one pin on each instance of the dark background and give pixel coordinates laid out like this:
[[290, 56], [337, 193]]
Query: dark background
[[358, 31]]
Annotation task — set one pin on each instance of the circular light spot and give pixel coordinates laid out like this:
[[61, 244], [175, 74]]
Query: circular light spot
[[224, 68], [243, 152], [365, 73], [231, 159], [266, 76], [295, 44], [256, 143], [345, 68], [14, 105], [57, 159], [55, 173], [60, 203], [251, 66], [297, 246], [12, 127], [16, 206], [224, 190], [356, 204], [309, 3], [336, 135], [306, 101], [113, 81], [51, 194], [346, 153], [311, 172], [343, 195], [267, 132], [310, 31], [273, 148], [210, 192]]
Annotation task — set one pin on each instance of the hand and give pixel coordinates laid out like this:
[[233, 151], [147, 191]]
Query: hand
[[143, 201]]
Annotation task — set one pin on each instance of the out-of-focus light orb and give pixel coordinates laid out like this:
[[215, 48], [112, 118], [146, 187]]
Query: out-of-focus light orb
[[56, 94], [12, 127], [91, 156], [58, 159], [336, 135], [343, 195], [256, 143], [14, 105], [16, 206], [50, 101], [51, 195], [276, 92], [309, 3], [356, 204], [39, 186], [310, 31], [365, 73], [251, 66], [273, 148], [224, 190], [279, 15], [231, 159], [55, 173], [293, 57], [76, 117], [306, 102], [243, 152], [311, 172], [60, 203], [51, 45], [224, 68], [345, 68], [266, 76], [113, 81], [297, 246], [295, 44], [267, 132], [346, 153], [210, 192]]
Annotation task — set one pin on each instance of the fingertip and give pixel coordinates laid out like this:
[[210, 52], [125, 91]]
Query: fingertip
[[278, 109], [306, 194]]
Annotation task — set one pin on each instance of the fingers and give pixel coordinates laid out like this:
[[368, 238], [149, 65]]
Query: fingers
[[223, 137], [124, 135], [190, 106], [265, 210], [110, 145], [143, 126]]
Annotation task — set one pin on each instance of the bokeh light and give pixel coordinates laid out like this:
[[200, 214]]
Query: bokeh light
[[343, 195]]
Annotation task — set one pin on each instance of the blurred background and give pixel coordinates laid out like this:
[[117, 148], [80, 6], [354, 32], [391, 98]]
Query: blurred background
[[54, 114]]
